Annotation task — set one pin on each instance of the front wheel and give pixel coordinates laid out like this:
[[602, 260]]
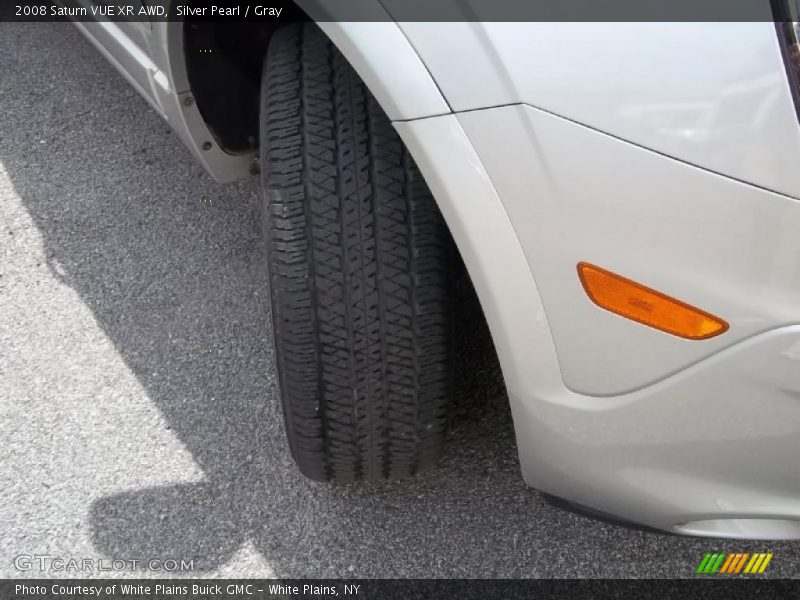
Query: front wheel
[[358, 256]]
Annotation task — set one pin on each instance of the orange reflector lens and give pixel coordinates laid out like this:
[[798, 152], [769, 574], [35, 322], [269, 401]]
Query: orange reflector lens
[[649, 307]]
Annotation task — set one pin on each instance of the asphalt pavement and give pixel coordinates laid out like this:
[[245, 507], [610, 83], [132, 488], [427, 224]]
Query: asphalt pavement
[[138, 400]]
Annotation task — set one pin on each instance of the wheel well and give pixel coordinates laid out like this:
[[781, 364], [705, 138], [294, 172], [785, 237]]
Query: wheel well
[[223, 64]]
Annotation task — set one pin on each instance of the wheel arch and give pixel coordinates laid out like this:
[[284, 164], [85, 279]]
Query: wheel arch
[[395, 74]]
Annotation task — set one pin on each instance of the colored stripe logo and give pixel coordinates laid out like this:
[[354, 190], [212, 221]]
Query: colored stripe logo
[[733, 563]]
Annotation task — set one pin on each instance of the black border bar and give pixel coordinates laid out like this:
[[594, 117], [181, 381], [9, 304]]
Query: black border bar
[[716, 586], [393, 10]]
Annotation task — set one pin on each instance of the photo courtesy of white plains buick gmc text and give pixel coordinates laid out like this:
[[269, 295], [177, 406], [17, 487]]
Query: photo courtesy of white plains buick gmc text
[[624, 196]]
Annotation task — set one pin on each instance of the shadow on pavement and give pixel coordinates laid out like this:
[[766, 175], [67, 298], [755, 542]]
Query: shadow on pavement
[[171, 265]]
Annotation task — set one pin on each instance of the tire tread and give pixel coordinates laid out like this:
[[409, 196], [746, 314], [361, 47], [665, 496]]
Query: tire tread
[[358, 256]]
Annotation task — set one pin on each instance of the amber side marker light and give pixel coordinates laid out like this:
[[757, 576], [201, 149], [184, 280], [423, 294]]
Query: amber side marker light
[[647, 306]]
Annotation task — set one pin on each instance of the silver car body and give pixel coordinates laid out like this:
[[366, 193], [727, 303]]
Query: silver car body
[[666, 152]]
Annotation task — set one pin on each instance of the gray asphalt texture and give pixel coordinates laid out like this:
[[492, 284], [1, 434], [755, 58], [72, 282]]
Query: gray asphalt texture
[[138, 400]]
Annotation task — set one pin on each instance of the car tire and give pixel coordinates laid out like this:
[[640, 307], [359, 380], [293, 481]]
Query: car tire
[[358, 257]]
